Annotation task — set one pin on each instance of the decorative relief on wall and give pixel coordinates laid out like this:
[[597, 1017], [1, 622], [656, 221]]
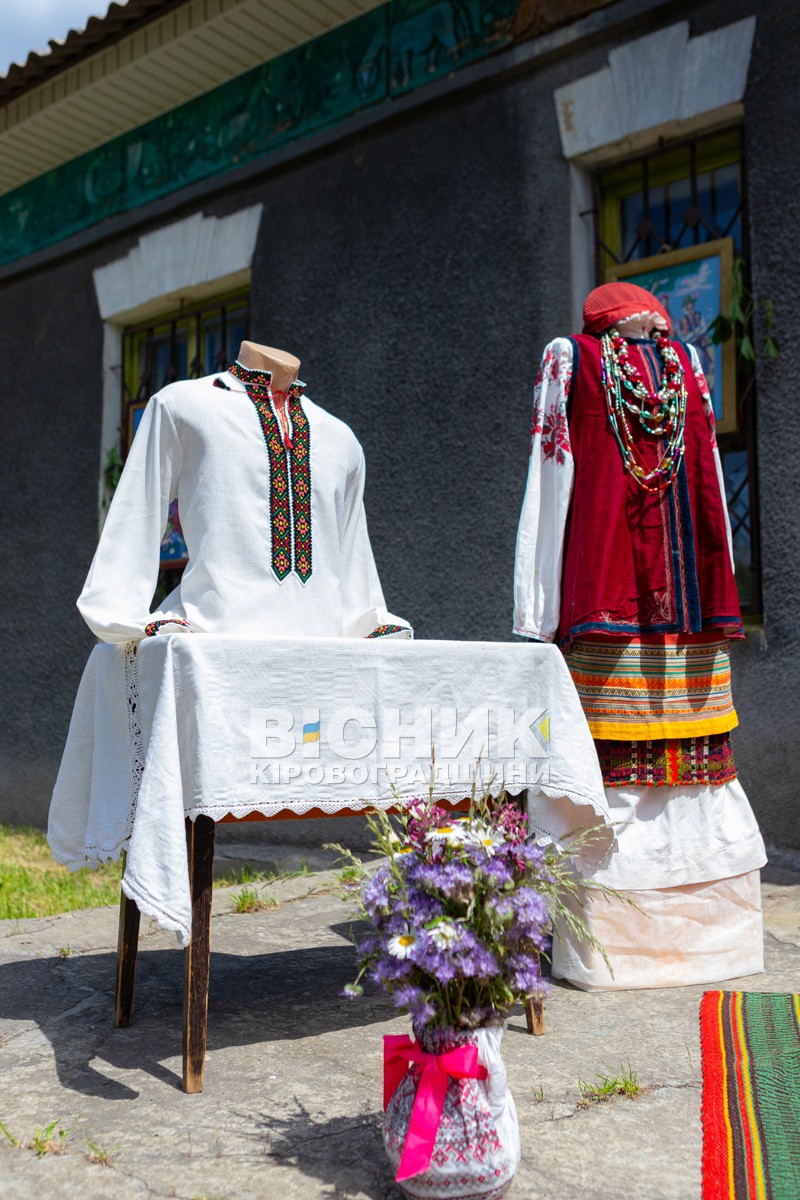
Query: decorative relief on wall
[[385, 53]]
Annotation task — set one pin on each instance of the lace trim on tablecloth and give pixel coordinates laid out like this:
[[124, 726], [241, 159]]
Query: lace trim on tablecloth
[[134, 726], [273, 808], [447, 796], [95, 855], [150, 907]]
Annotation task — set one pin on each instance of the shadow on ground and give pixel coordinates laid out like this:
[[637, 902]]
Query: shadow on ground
[[280, 996], [340, 1152]]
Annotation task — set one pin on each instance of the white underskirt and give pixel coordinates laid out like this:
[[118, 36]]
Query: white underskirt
[[698, 933], [672, 836]]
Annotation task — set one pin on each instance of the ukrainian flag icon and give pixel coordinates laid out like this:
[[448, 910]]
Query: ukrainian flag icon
[[311, 732]]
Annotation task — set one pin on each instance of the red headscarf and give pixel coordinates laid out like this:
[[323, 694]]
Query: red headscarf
[[614, 301]]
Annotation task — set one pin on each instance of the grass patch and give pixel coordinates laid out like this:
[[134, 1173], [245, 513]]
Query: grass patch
[[248, 874], [96, 1154], [50, 1139], [608, 1087], [32, 885], [15, 1142], [249, 901], [255, 899]]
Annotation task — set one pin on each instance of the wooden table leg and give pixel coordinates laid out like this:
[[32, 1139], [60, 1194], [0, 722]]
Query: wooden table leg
[[127, 946], [197, 956], [534, 1015]]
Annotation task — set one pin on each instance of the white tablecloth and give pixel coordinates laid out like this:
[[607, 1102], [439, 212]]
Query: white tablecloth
[[190, 724]]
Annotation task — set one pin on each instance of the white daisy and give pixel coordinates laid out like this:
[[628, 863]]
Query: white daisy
[[444, 935], [403, 851], [451, 833], [488, 839], [401, 945]]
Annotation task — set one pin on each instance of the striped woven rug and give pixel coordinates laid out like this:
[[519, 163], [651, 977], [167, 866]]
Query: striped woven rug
[[751, 1095]]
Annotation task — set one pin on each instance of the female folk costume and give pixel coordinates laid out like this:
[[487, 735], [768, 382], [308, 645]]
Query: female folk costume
[[624, 557]]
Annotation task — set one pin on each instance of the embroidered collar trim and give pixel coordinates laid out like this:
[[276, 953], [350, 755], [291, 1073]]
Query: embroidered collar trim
[[289, 454]]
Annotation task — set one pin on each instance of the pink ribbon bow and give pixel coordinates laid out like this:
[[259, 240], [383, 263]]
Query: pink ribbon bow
[[398, 1053]]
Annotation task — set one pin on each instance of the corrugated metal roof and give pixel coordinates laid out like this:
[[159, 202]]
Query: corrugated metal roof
[[98, 33]]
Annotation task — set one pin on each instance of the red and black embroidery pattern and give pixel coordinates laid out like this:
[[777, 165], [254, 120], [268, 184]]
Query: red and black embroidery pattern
[[667, 762], [386, 631], [289, 455]]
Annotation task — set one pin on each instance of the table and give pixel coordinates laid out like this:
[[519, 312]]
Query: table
[[188, 725]]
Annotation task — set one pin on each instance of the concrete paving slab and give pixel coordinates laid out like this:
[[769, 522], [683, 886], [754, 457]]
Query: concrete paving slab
[[291, 1108]]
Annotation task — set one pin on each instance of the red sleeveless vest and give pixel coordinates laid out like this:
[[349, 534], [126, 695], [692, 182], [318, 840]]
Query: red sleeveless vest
[[635, 561]]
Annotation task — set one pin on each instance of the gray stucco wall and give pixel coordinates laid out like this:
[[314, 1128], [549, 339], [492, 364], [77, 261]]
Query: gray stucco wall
[[416, 269], [50, 350]]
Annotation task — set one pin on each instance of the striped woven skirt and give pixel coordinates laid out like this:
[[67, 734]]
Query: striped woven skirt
[[654, 687]]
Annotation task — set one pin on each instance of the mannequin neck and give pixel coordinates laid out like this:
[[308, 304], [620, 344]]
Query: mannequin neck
[[282, 366], [638, 325]]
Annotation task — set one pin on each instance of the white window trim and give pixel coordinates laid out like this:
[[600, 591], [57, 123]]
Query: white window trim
[[666, 85]]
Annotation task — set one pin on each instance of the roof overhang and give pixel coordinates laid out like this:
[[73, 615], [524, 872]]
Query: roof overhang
[[141, 60]]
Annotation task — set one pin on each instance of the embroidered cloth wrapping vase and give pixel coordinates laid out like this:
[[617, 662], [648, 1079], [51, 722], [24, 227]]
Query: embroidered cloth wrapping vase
[[476, 1152]]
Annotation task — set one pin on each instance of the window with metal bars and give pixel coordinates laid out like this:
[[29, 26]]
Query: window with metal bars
[[186, 344], [670, 199]]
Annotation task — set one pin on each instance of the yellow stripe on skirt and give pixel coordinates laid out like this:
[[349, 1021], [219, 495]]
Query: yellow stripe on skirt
[[654, 687]]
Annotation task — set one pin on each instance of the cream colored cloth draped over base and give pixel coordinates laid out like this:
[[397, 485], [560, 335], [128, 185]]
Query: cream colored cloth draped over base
[[690, 859], [695, 933]]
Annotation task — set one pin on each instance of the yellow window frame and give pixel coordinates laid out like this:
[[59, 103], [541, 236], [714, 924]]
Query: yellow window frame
[[135, 337], [669, 166]]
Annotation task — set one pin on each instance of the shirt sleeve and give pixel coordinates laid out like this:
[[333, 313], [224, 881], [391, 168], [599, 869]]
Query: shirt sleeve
[[115, 601], [542, 522], [709, 411], [364, 612]]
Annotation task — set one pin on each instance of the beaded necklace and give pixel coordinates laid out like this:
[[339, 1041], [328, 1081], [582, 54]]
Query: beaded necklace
[[660, 414]]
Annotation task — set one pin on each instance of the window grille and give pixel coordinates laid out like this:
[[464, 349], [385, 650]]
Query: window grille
[[186, 344], [673, 198]]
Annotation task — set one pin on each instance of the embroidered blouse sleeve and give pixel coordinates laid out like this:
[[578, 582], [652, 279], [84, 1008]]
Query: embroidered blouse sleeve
[[542, 523], [364, 612], [116, 597], [709, 411]]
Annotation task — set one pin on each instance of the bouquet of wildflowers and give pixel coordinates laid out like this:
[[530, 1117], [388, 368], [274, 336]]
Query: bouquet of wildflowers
[[460, 912]]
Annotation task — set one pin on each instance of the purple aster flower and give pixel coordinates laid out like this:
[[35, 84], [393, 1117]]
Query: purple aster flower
[[454, 879], [435, 961], [473, 959], [522, 974], [499, 872], [390, 970], [528, 940], [423, 906], [416, 1001], [527, 908], [375, 894], [369, 945]]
